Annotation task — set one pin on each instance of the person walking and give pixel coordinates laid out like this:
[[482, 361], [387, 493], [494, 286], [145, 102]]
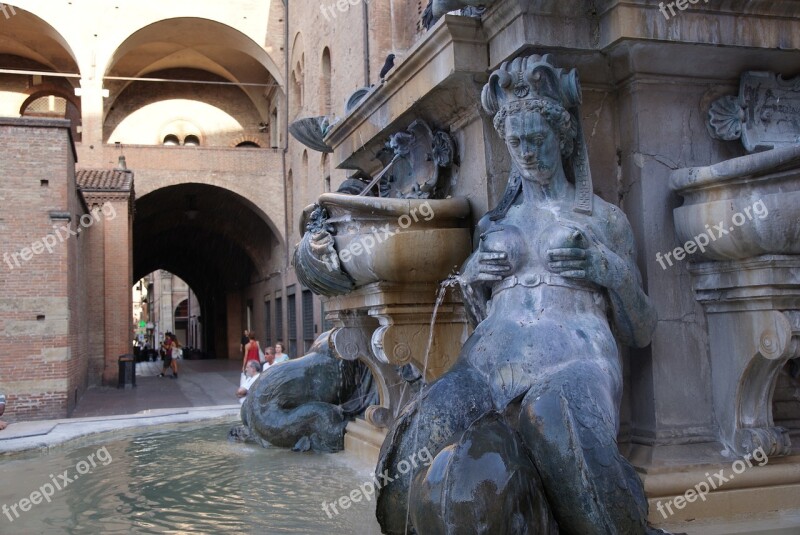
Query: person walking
[[250, 351], [245, 340], [177, 352], [167, 346]]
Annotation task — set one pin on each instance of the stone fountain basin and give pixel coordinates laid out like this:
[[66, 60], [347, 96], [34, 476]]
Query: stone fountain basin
[[725, 192], [398, 240]]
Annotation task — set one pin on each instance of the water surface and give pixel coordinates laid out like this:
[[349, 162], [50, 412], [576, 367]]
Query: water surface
[[187, 481]]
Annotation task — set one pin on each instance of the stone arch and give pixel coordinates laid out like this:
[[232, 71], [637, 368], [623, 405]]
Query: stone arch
[[187, 229], [36, 46], [47, 89], [37, 39], [198, 44], [246, 139], [205, 31], [238, 189]]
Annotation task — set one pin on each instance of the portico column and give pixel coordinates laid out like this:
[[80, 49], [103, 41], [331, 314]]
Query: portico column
[[92, 94]]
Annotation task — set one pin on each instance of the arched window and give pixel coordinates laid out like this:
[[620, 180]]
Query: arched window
[[191, 141], [325, 83], [297, 90], [171, 140], [248, 144], [53, 104], [47, 106]]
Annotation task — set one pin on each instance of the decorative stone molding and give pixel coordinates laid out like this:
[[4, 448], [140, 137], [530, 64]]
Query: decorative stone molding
[[422, 159], [436, 79], [381, 261], [747, 274], [753, 310], [402, 337], [387, 326], [764, 115]]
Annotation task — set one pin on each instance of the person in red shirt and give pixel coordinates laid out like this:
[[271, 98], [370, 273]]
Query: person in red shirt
[[250, 351]]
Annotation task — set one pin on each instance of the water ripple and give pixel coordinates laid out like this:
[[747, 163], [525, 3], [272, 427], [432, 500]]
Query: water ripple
[[188, 482]]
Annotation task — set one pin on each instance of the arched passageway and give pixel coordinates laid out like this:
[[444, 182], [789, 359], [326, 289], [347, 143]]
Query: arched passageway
[[212, 238]]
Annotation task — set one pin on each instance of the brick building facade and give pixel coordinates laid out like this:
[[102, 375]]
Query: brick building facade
[[192, 95], [45, 275]]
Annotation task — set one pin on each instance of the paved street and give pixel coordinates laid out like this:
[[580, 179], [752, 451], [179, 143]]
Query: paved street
[[200, 383]]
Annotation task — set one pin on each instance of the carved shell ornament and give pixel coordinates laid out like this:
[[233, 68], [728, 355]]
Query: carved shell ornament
[[764, 116], [725, 118], [443, 149]]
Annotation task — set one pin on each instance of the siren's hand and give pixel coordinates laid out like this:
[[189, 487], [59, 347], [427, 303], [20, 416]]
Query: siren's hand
[[594, 262], [487, 266]]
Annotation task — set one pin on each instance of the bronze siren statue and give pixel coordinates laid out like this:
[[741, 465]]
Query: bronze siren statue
[[524, 425]]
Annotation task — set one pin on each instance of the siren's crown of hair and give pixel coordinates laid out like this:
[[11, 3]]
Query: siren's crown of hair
[[532, 78]]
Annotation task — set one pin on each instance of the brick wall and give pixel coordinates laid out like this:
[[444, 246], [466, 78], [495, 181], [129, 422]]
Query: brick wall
[[78, 255], [108, 262], [43, 338], [118, 281], [96, 305]]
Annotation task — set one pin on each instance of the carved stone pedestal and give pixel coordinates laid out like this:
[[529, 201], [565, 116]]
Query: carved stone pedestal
[[740, 220], [753, 310], [387, 326]]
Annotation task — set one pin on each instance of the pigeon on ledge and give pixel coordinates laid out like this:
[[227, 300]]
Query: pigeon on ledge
[[387, 66]]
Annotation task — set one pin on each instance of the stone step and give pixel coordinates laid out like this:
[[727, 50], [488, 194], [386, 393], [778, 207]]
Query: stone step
[[363, 440]]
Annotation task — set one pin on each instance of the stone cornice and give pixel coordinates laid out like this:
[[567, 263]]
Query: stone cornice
[[453, 49], [736, 23]]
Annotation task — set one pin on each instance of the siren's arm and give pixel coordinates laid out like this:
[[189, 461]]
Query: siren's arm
[[632, 313], [475, 282], [610, 262], [475, 297]]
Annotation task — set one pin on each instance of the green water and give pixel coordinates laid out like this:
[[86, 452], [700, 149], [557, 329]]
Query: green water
[[186, 481]]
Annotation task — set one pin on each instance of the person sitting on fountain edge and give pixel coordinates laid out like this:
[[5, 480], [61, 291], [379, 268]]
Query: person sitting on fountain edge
[[3, 424], [252, 372]]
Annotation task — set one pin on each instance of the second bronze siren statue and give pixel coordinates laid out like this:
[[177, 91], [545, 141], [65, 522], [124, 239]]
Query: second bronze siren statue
[[525, 423]]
